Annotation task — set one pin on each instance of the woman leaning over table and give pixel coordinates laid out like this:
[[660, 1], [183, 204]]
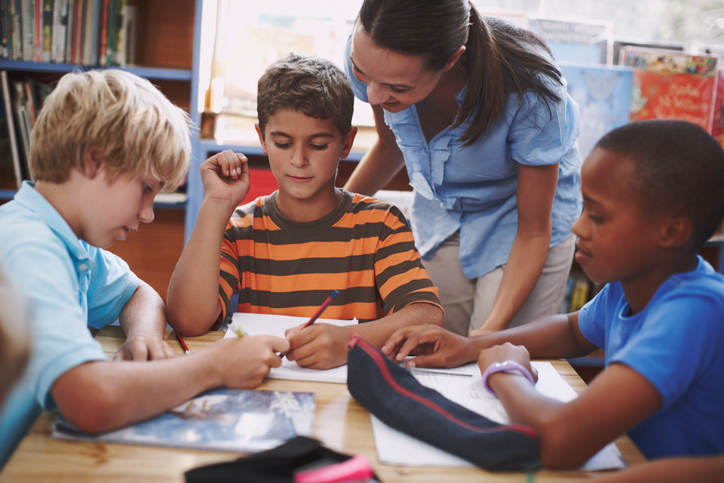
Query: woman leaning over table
[[477, 111]]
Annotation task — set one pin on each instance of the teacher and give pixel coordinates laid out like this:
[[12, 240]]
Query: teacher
[[477, 110]]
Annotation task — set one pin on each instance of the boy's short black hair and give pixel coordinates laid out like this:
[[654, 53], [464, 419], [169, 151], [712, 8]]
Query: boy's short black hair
[[679, 170], [311, 85]]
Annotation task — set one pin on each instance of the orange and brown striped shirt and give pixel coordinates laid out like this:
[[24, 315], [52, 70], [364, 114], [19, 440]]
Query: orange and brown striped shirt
[[364, 249]]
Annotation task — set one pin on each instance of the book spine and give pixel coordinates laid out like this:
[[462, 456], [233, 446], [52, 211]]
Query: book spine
[[130, 29], [111, 33], [60, 25], [103, 36], [30, 101], [11, 128], [47, 30], [23, 122], [16, 51], [95, 30], [87, 33], [120, 36], [3, 29], [38, 30], [78, 29], [70, 9], [27, 15]]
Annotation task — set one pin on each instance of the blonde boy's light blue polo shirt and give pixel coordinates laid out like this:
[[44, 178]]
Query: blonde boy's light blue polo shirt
[[473, 189], [68, 285]]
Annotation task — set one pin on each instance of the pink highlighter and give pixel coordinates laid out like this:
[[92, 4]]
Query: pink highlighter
[[354, 469]]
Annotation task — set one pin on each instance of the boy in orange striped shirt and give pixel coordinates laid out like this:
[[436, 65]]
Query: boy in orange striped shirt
[[286, 252]]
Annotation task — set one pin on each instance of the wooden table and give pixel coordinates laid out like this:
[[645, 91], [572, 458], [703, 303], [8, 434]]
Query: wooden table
[[341, 423]]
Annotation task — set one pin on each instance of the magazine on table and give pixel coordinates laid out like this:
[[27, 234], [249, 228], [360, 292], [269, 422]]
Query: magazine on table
[[238, 420]]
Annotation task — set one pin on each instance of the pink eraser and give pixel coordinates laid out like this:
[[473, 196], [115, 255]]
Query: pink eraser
[[354, 469]]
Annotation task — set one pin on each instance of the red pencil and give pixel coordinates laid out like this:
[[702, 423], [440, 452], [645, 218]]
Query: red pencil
[[183, 344], [321, 309]]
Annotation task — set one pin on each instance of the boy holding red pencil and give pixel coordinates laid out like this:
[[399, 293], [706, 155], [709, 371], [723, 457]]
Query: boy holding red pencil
[[285, 253]]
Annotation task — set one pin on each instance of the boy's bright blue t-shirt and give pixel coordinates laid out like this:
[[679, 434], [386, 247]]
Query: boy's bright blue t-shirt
[[67, 285], [676, 343]]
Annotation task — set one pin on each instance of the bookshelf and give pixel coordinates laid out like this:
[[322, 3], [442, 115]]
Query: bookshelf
[[164, 56]]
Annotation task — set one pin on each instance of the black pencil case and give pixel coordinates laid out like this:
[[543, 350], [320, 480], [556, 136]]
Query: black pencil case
[[277, 465], [392, 394]]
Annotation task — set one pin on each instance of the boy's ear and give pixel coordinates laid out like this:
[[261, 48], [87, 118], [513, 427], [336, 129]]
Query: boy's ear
[[92, 162], [677, 232], [348, 142], [261, 137]]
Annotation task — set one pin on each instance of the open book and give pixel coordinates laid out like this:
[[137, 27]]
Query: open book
[[240, 420]]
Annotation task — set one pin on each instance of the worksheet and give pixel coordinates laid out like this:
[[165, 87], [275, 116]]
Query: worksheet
[[464, 386], [256, 324]]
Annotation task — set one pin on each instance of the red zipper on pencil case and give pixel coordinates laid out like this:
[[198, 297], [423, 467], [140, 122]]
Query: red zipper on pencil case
[[380, 363]]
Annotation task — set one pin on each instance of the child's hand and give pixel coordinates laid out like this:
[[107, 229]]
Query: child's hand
[[506, 352], [245, 361], [144, 348], [439, 347], [319, 346], [226, 177]]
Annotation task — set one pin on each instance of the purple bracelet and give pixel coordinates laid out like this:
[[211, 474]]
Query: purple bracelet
[[504, 366]]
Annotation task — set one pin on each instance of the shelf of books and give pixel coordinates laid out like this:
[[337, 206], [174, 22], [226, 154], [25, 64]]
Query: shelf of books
[[41, 40]]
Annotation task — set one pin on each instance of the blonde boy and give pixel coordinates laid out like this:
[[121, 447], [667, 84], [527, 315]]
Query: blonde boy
[[286, 252], [104, 145]]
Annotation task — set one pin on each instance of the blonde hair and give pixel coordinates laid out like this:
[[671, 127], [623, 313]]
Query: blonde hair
[[138, 130]]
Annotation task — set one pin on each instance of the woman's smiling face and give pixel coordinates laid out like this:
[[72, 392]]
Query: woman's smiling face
[[394, 81]]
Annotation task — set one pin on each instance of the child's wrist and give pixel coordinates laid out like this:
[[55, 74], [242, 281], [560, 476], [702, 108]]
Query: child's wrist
[[223, 208], [508, 366]]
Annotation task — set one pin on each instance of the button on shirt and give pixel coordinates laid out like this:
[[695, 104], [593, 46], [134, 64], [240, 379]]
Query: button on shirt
[[68, 284], [473, 189]]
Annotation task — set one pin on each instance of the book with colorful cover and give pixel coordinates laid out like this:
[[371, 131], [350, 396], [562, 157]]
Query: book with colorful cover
[[717, 125], [603, 93], [672, 85], [581, 41], [238, 420]]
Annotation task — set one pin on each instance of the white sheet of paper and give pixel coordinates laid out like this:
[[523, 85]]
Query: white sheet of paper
[[256, 324], [396, 448]]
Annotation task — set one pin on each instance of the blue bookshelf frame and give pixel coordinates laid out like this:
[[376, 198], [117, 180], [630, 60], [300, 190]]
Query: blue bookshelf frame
[[156, 73]]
